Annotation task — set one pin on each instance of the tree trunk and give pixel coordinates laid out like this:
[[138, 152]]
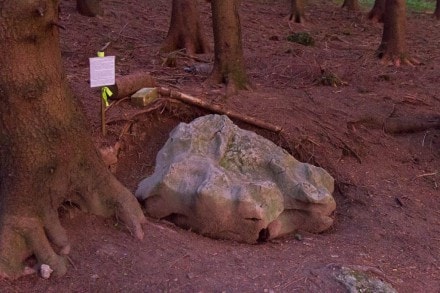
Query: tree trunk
[[376, 14], [297, 11], [352, 5], [393, 48], [47, 158], [228, 60], [185, 31], [437, 10], [89, 7]]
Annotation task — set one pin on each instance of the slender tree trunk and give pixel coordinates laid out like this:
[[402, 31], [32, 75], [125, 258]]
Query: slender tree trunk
[[47, 158], [437, 10], [297, 11], [393, 47], [89, 7], [376, 14], [228, 61], [352, 5], [185, 30]]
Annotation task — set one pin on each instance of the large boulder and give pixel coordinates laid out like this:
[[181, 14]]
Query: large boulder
[[225, 182]]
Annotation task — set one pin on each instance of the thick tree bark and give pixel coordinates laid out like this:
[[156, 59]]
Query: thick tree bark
[[393, 49], [352, 5], [228, 61], [437, 10], [185, 30], [297, 11], [47, 156], [89, 7], [376, 14]]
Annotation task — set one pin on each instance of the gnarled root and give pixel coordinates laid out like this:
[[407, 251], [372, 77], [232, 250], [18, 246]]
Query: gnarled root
[[394, 59], [21, 237], [399, 60], [106, 197], [29, 222]]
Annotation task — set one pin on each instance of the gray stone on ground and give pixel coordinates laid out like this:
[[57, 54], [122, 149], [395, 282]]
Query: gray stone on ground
[[359, 281], [225, 182]]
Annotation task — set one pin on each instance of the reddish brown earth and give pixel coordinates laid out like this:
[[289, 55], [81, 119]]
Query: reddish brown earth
[[387, 186]]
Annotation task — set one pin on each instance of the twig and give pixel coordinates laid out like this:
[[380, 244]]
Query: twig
[[125, 129], [105, 46], [153, 106], [114, 40], [120, 32], [424, 137], [288, 284], [217, 109], [71, 262], [116, 103], [427, 174], [195, 58], [178, 259], [131, 38], [352, 151]]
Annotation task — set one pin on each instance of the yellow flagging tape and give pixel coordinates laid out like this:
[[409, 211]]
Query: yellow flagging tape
[[105, 93]]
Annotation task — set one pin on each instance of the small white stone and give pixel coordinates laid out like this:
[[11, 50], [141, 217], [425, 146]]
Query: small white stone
[[45, 271], [94, 276]]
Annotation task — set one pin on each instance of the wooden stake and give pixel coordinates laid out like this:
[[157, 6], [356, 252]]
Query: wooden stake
[[103, 127]]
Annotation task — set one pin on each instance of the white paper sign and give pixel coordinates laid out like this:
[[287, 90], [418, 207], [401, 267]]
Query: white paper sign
[[102, 71]]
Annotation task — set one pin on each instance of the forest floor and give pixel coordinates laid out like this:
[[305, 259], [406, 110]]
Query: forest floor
[[387, 185]]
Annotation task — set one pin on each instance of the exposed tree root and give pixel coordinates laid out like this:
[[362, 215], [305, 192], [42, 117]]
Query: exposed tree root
[[297, 11], [297, 17], [397, 61], [28, 229], [392, 56], [21, 237]]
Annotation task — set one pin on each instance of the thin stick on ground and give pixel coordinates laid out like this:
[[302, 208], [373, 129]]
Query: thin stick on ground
[[217, 109], [427, 174]]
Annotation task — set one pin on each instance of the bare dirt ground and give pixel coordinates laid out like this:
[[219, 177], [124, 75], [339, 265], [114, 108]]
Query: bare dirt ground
[[387, 186]]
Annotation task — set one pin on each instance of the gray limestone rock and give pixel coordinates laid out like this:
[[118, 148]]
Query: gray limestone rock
[[360, 281], [225, 182]]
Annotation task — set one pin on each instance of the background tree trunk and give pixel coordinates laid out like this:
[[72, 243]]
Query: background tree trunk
[[437, 10], [393, 46], [376, 13], [352, 5], [228, 61], [185, 31], [297, 11], [47, 158], [89, 7]]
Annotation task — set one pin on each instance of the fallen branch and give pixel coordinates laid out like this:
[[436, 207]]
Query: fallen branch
[[217, 109]]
